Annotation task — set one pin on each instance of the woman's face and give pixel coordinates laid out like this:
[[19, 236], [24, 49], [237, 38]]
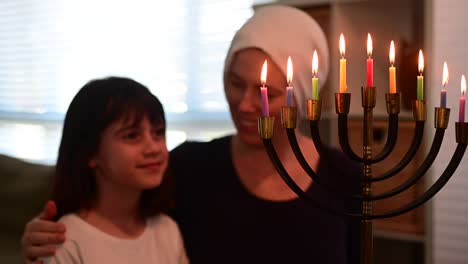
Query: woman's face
[[242, 88]]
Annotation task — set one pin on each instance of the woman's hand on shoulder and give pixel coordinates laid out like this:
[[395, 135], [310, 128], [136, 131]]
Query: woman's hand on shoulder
[[41, 235]]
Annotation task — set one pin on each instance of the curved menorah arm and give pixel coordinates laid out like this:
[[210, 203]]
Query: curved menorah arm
[[294, 187], [433, 190], [344, 140], [315, 134], [305, 165], [417, 139], [392, 136], [436, 143]]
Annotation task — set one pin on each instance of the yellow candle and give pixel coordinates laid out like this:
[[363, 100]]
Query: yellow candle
[[391, 70], [342, 65]]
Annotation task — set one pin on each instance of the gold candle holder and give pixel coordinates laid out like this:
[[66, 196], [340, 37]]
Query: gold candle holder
[[314, 109], [441, 117], [461, 132], [342, 103], [288, 116], [265, 126], [419, 110], [393, 103], [368, 96]]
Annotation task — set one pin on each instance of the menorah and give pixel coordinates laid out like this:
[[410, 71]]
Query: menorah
[[342, 105]]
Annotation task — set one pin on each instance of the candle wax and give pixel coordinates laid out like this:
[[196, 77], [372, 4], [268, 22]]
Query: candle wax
[[461, 113], [342, 75], [392, 80], [370, 72], [264, 95], [420, 90], [443, 98], [315, 93], [289, 96]]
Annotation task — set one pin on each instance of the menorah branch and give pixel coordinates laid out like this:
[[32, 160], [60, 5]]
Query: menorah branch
[[420, 172], [441, 117], [407, 158], [294, 187], [434, 189]]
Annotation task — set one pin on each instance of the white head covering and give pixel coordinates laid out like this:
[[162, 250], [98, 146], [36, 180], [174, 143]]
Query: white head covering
[[282, 31]]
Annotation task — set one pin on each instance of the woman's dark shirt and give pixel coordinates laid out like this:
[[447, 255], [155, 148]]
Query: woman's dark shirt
[[222, 222]]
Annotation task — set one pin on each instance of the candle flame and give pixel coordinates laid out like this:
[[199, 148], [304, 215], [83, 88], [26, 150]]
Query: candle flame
[[392, 53], [369, 45], [421, 62], [289, 71], [263, 76], [342, 45], [463, 85], [445, 75], [314, 63]]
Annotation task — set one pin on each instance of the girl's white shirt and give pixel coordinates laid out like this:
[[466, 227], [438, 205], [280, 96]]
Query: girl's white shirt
[[160, 242]]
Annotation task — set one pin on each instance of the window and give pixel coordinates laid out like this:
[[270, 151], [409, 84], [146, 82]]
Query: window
[[49, 49]]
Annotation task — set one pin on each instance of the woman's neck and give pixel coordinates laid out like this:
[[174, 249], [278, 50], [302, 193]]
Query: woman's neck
[[261, 178]]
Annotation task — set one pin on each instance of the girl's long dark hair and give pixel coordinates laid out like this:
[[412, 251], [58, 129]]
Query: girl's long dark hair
[[98, 104]]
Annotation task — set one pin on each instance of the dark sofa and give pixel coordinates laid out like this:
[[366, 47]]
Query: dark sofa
[[24, 189]]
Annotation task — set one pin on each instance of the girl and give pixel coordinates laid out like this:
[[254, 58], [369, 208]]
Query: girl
[[110, 182]]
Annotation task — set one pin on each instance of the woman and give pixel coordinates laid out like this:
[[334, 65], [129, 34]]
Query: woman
[[231, 204]]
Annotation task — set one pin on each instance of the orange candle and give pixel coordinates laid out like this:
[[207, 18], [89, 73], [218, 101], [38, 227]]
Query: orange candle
[[392, 70]]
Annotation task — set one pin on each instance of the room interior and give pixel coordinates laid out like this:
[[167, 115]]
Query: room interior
[[431, 234]]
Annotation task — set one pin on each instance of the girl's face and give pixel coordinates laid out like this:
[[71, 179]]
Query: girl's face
[[131, 157], [242, 87]]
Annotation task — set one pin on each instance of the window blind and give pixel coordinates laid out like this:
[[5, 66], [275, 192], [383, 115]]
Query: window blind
[[49, 49]]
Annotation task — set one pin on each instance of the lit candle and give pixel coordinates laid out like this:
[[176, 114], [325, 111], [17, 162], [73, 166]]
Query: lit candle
[[342, 65], [264, 91], [315, 93], [370, 62], [289, 89], [443, 92], [420, 90], [391, 70], [461, 113]]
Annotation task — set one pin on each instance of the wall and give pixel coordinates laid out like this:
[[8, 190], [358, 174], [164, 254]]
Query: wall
[[447, 38], [385, 22]]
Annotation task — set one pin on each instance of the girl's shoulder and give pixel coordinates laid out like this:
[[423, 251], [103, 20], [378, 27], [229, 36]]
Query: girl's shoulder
[[163, 222], [72, 222], [166, 230], [69, 251]]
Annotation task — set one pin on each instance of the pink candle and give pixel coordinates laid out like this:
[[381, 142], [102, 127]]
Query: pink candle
[[461, 112], [370, 62], [461, 116], [289, 89], [264, 91], [370, 75]]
